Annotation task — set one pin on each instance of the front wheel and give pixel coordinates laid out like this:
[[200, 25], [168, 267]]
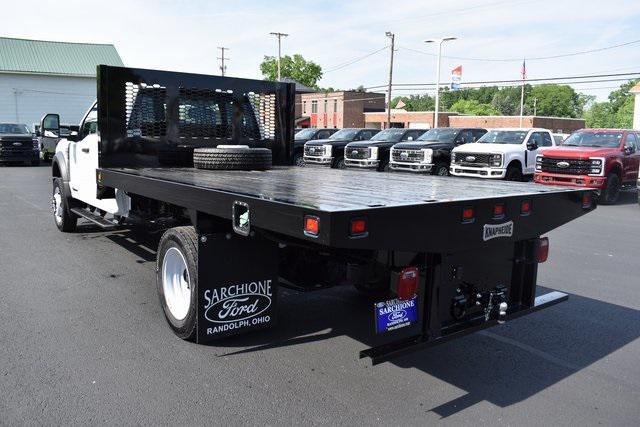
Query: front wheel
[[441, 169], [64, 219], [513, 174], [339, 164], [298, 160], [177, 279], [611, 192]]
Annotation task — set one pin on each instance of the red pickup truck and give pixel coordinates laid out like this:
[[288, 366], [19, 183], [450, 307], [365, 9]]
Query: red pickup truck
[[604, 159]]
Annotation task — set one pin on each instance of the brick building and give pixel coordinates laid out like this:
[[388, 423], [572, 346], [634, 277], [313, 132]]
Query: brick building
[[342, 109], [407, 119]]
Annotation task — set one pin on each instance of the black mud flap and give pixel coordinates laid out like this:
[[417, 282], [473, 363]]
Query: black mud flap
[[237, 284]]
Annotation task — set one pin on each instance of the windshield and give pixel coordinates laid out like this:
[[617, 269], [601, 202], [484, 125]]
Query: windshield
[[391, 135], [594, 139], [344, 134], [14, 129], [503, 137], [442, 135], [305, 133]]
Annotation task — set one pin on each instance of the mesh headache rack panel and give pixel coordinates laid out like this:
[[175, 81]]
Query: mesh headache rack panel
[[145, 116]]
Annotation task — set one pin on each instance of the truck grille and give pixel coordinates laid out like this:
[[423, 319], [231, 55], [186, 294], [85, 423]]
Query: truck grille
[[313, 150], [472, 159], [409, 156], [20, 147], [568, 166], [358, 153]]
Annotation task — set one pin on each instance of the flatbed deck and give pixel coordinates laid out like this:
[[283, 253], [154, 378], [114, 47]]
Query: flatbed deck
[[285, 194]]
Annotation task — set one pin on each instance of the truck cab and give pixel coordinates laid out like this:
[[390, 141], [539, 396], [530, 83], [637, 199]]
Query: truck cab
[[431, 153], [329, 152], [374, 154], [502, 154], [303, 136], [605, 159]]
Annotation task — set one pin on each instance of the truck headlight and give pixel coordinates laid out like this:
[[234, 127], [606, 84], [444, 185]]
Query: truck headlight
[[36, 146], [596, 166], [495, 159], [428, 155], [327, 150], [374, 153]]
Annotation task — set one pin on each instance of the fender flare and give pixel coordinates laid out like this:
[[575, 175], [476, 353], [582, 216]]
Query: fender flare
[[59, 169]]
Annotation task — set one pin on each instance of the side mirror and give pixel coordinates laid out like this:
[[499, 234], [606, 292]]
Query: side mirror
[[50, 124], [629, 149], [532, 145]]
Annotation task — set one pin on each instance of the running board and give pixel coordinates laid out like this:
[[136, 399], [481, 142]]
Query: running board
[[391, 350], [101, 222]]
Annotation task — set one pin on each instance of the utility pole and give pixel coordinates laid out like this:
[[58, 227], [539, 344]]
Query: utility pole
[[439, 41], [535, 106], [279, 36], [393, 39], [524, 78], [223, 68]]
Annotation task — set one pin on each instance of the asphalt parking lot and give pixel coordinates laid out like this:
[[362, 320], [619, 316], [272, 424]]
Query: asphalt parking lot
[[83, 340]]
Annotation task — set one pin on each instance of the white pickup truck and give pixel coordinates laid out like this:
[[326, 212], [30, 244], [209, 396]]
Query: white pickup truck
[[501, 154]]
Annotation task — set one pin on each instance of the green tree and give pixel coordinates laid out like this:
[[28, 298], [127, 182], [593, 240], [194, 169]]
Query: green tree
[[415, 102], [617, 112], [306, 72], [473, 107], [554, 100]]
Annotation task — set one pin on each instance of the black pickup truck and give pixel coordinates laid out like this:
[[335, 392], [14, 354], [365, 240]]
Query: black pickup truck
[[17, 144], [374, 154], [330, 151], [431, 153], [435, 261], [303, 136]]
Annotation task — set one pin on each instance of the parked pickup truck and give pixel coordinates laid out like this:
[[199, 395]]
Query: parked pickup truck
[[605, 159], [305, 135], [501, 154], [441, 260], [329, 152], [18, 145], [431, 153], [374, 154]]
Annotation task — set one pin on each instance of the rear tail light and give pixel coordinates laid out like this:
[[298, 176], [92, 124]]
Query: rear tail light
[[498, 210], [586, 200], [525, 207], [408, 283], [311, 225], [542, 249], [468, 214], [358, 227]]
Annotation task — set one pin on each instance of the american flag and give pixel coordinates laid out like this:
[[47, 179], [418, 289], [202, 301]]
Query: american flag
[[524, 70]]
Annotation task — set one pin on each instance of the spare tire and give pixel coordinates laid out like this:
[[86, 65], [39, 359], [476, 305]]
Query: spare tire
[[232, 158]]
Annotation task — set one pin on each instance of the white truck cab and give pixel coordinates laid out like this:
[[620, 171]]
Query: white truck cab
[[508, 153]]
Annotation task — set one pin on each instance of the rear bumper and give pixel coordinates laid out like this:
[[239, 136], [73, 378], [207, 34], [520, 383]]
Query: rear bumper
[[411, 167], [584, 181], [481, 172], [364, 164], [325, 161]]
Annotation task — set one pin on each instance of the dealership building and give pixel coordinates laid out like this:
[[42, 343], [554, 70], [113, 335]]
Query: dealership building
[[38, 77]]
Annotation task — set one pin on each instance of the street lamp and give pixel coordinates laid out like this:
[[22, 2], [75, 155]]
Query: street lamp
[[439, 41]]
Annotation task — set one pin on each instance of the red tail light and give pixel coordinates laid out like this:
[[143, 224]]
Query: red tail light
[[468, 214], [542, 250], [525, 207], [498, 210], [408, 283], [311, 225], [358, 227]]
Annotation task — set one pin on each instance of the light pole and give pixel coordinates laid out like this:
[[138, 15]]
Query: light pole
[[439, 41], [279, 36], [393, 39]]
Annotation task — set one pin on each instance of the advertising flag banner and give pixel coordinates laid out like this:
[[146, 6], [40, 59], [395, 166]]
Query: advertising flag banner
[[456, 77]]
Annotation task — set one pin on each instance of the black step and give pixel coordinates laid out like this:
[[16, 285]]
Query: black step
[[101, 222]]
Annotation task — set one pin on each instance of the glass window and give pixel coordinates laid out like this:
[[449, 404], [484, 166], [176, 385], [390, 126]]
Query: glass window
[[314, 106], [391, 135], [324, 134], [593, 139], [12, 128], [304, 107], [631, 141], [325, 106], [465, 137], [335, 105], [546, 140], [439, 134], [503, 137], [344, 134], [90, 124], [305, 133]]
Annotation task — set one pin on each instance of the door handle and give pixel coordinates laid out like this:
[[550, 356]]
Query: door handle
[[85, 150]]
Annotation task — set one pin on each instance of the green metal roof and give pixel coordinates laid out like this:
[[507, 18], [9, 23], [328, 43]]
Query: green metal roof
[[59, 58]]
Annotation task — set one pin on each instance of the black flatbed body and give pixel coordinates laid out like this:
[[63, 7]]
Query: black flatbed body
[[403, 211]]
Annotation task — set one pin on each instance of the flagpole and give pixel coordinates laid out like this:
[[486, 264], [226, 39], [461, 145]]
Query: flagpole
[[524, 76]]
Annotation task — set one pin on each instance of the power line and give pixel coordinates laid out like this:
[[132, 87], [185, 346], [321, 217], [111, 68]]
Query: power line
[[353, 61], [537, 58], [519, 81]]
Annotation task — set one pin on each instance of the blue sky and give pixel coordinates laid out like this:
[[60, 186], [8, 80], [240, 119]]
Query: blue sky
[[181, 35]]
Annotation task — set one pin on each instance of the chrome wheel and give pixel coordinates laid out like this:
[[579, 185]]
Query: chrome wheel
[[56, 205], [176, 283]]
